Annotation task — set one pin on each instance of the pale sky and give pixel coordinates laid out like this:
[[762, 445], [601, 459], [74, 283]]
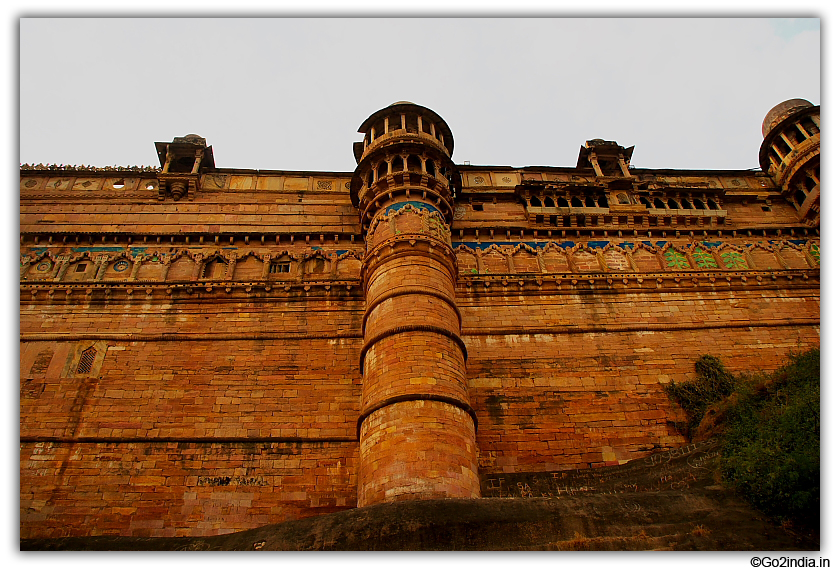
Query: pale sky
[[291, 93]]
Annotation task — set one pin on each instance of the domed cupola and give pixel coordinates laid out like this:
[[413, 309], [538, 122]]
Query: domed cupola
[[790, 154], [406, 147]]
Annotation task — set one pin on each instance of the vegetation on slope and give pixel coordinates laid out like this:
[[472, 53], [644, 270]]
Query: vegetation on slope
[[770, 428]]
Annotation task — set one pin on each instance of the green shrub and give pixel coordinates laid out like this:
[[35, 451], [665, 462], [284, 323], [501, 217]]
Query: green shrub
[[770, 428], [771, 450], [713, 384]]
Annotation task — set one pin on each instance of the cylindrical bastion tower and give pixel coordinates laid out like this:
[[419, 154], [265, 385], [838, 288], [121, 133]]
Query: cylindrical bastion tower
[[416, 427]]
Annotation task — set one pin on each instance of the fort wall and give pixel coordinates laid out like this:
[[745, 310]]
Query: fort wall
[[211, 350]]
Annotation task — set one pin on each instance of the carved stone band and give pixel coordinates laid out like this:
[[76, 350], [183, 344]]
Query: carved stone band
[[412, 398], [410, 328], [411, 291]]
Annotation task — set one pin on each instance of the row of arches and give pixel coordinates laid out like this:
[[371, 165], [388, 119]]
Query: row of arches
[[574, 202], [640, 258], [603, 202], [405, 163], [789, 138], [805, 183], [681, 204], [409, 122], [188, 266]]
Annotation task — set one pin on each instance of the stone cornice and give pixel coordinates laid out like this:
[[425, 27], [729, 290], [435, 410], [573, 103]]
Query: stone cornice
[[577, 283], [482, 284], [180, 291]]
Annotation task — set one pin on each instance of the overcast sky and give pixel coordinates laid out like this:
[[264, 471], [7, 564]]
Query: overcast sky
[[291, 93]]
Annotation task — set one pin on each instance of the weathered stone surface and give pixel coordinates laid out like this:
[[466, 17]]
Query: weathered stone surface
[[206, 350], [669, 501]]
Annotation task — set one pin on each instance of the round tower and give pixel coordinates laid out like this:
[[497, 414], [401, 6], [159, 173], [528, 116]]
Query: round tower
[[416, 427], [790, 154]]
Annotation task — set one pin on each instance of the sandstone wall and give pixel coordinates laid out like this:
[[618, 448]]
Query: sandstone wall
[[251, 418], [248, 419], [193, 368], [575, 381]]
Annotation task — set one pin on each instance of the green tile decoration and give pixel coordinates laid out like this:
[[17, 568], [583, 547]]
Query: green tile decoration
[[733, 260], [815, 252], [676, 259], [704, 259]]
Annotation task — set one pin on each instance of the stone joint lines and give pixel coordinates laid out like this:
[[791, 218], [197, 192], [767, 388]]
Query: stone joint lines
[[413, 398], [411, 291], [410, 328]]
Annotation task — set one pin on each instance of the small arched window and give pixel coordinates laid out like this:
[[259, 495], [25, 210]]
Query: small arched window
[[645, 202], [397, 164], [602, 202], [414, 164], [658, 203], [713, 205], [698, 204], [549, 203], [562, 202], [215, 269], [576, 203], [673, 204], [281, 266], [590, 202], [430, 167], [535, 202]]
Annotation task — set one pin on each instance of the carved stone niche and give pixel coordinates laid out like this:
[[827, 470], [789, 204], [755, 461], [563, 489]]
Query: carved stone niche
[[183, 161]]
